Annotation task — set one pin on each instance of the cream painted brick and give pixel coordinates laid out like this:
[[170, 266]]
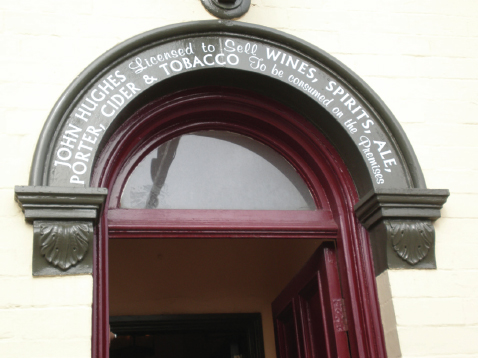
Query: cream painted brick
[[327, 41], [361, 21], [430, 311], [437, 341], [2, 21], [471, 311], [358, 43], [60, 49], [46, 348], [3, 121], [87, 27], [142, 9], [18, 172], [51, 323], [452, 256], [408, 111], [463, 8], [190, 12], [326, 20], [23, 122], [457, 181], [273, 17], [445, 159], [27, 70], [16, 226], [389, 65], [29, 95], [8, 206], [461, 206], [412, 45], [286, 3], [447, 67], [32, 48], [454, 46], [19, 164], [151, 8], [6, 328], [46, 291], [16, 263], [451, 135], [19, 145], [434, 111], [383, 65], [110, 27], [472, 27], [16, 243], [437, 25], [459, 231], [77, 27], [425, 88], [423, 283], [371, 22], [49, 6], [10, 46], [29, 23]]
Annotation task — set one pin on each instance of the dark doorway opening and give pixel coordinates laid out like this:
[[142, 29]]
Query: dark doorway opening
[[188, 336]]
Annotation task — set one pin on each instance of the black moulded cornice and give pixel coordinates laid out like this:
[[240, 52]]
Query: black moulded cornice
[[59, 203]]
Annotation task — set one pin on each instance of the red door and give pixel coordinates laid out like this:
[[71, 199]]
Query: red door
[[309, 315]]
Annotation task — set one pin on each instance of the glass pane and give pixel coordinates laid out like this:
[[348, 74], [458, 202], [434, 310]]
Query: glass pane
[[215, 170]]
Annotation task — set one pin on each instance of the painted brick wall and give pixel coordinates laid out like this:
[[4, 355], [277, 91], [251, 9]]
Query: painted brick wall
[[420, 56]]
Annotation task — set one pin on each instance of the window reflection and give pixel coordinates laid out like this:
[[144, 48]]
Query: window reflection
[[215, 170]]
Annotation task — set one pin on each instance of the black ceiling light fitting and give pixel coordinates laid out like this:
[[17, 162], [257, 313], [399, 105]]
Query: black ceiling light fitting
[[227, 9]]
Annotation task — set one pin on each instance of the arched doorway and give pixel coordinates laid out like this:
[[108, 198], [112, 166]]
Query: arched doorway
[[329, 217], [384, 182]]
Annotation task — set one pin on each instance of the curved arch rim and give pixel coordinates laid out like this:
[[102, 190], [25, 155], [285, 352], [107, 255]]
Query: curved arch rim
[[37, 173]]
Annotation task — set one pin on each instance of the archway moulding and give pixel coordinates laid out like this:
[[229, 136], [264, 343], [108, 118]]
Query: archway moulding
[[395, 206]]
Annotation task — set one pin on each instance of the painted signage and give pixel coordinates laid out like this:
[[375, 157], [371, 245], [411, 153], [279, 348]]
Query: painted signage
[[83, 131]]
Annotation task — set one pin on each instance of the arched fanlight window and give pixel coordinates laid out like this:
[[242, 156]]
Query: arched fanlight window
[[215, 170]]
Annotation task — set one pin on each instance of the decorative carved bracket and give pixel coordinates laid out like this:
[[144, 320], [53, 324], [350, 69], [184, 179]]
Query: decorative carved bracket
[[62, 227], [411, 239], [404, 218], [63, 244]]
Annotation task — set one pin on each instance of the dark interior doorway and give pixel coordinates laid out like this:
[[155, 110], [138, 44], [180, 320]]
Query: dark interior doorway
[[188, 336]]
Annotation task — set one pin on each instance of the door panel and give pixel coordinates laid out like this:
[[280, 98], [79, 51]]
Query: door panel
[[309, 316], [286, 330], [313, 320]]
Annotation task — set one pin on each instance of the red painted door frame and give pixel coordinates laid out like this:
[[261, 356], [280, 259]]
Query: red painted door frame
[[309, 319], [281, 129]]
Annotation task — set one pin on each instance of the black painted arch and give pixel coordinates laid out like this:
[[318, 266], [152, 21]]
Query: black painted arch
[[70, 98], [392, 214]]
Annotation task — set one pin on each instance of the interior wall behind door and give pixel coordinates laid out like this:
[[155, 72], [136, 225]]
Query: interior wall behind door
[[166, 276]]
